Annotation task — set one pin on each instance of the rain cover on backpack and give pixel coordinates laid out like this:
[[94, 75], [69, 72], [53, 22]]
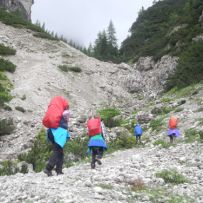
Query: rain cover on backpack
[[94, 126], [54, 112]]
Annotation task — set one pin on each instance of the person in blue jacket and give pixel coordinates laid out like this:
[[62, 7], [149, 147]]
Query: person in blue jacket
[[138, 133], [58, 137]]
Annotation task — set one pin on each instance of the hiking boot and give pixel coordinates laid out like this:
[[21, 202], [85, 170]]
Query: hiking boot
[[59, 173], [49, 173], [92, 165], [99, 161]]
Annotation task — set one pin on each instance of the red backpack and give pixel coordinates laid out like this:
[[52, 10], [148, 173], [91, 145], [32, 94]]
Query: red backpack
[[94, 126], [54, 112], [173, 123]]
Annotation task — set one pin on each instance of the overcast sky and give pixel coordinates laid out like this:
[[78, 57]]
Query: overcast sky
[[81, 20]]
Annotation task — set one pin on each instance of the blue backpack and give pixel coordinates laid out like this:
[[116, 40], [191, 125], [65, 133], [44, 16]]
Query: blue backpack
[[137, 130]]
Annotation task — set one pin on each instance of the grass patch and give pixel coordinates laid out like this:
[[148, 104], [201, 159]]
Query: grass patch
[[162, 144], [182, 92], [121, 142], [172, 176], [6, 65], [156, 124], [105, 186], [108, 115], [179, 109], [4, 50], [159, 195], [67, 68], [192, 135]]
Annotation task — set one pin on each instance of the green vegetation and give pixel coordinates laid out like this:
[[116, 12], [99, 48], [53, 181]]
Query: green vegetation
[[190, 68], [39, 154], [121, 142], [172, 176], [108, 115], [105, 47], [148, 34], [183, 92], [6, 126], [192, 135], [9, 168], [44, 35], [67, 68], [4, 50], [159, 195], [105, 186], [162, 143], [21, 109], [16, 20], [156, 124], [6, 65], [5, 87], [180, 20]]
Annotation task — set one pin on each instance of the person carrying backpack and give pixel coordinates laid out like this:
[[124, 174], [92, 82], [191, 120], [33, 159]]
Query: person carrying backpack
[[173, 132], [138, 133], [57, 135], [96, 143]]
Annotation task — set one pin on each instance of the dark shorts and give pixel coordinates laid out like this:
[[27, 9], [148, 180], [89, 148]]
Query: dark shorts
[[172, 135], [137, 136]]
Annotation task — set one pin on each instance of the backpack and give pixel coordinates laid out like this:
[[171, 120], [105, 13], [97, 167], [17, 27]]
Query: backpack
[[173, 123], [54, 112], [137, 130], [94, 126]]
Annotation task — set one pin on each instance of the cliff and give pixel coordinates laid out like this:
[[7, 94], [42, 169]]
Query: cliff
[[23, 6]]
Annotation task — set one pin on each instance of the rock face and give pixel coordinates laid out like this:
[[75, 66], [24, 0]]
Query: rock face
[[24, 6]]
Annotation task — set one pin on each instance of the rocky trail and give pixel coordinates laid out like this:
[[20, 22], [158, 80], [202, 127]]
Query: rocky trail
[[113, 181]]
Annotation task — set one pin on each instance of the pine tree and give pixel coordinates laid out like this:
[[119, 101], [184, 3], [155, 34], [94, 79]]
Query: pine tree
[[112, 42], [111, 32]]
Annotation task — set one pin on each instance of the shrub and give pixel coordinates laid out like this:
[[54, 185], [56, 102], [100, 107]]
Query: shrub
[[21, 109], [6, 126], [4, 50], [108, 114], [171, 176], [5, 86], [44, 35], [39, 153], [77, 147], [67, 68], [6, 65]]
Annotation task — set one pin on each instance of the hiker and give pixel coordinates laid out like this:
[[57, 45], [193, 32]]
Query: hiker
[[96, 144], [138, 133], [56, 120], [173, 132]]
